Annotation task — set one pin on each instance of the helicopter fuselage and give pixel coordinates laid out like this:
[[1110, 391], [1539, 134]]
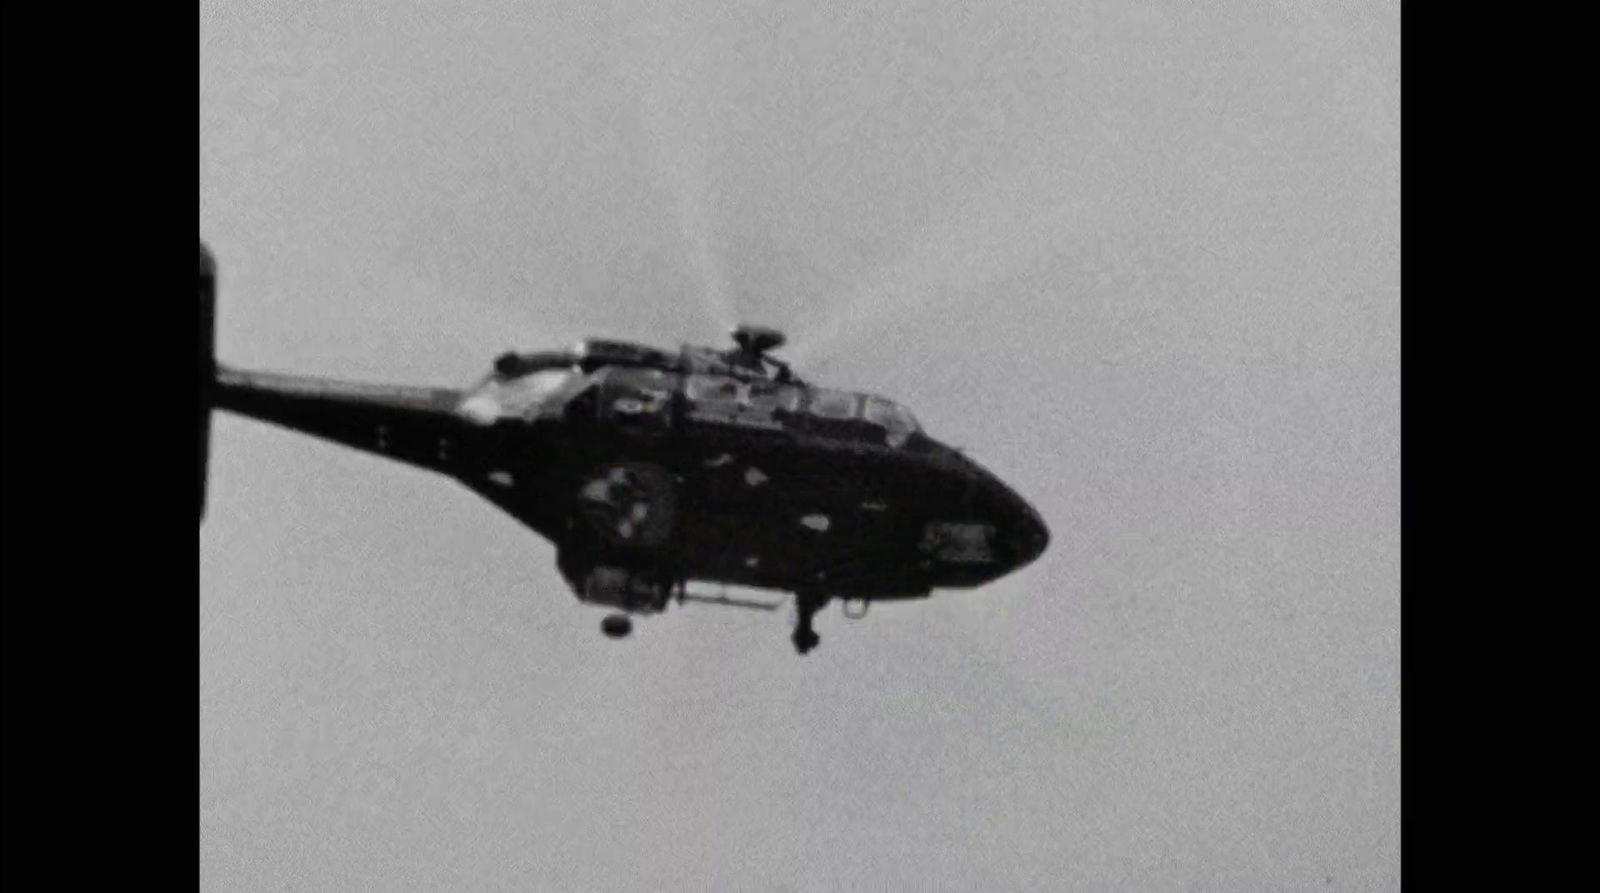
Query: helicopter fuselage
[[680, 468], [649, 470]]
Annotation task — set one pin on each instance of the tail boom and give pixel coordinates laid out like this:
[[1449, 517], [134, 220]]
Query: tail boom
[[417, 425]]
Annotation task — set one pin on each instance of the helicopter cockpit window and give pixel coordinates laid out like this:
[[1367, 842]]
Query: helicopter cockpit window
[[895, 419], [833, 404], [770, 396], [711, 389]]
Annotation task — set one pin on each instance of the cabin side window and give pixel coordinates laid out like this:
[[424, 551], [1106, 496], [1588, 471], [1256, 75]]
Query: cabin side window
[[729, 400], [769, 397], [765, 396], [712, 389], [763, 403], [826, 404]]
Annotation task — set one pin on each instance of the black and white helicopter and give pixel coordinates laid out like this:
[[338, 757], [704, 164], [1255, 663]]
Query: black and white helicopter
[[651, 469]]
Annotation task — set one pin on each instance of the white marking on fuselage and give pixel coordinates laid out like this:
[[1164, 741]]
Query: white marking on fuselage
[[754, 477], [819, 523], [503, 478], [752, 561], [480, 408]]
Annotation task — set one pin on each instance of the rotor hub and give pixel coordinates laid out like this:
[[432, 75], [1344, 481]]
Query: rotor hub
[[758, 339]]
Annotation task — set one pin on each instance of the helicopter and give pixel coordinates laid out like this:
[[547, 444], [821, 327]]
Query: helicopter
[[650, 470]]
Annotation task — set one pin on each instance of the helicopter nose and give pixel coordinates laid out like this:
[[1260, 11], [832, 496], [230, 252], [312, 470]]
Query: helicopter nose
[[1020, 531], [1016, 533], [1025, 533]]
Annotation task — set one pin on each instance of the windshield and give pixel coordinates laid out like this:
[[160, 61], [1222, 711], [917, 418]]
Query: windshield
[[894, 418]]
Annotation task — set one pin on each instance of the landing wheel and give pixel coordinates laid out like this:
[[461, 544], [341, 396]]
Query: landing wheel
[[616, 626]]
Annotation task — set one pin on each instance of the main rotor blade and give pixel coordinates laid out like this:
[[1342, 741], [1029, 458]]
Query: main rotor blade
[[666, 67], [993, 235]]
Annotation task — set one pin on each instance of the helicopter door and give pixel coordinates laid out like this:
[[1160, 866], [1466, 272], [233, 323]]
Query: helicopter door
[[637, 399]]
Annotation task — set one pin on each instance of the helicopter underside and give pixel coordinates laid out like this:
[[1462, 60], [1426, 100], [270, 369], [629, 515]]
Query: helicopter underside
[[643, 531], [727, 513], [761, 522]]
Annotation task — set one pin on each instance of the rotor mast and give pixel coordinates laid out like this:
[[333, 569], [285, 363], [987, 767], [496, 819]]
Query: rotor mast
[[754, 344]]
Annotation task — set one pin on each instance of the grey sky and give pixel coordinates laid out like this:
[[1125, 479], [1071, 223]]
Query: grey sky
[[1141, 258]]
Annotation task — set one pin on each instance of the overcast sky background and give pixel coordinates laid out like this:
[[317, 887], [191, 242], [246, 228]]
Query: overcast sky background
[[1141, 258]]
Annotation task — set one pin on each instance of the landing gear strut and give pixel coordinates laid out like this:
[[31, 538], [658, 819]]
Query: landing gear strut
[[807, 604]]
